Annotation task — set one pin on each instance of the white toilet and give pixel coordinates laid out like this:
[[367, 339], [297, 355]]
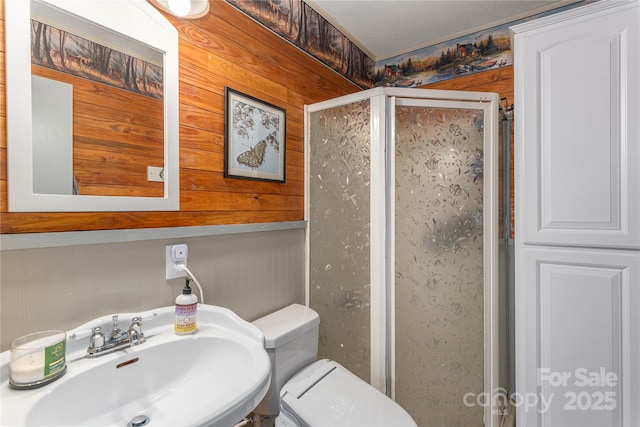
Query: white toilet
[[305, 392]]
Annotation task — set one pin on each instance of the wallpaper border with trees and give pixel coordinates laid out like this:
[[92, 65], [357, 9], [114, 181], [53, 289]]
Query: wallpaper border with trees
[[299, 24], [302, 26]]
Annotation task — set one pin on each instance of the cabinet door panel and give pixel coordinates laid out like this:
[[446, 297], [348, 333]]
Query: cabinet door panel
[[577, 129], [580, 309]]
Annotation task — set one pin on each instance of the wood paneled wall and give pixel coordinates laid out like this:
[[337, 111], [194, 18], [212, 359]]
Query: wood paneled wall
[[111, 155], [224, 48], [501, 82]]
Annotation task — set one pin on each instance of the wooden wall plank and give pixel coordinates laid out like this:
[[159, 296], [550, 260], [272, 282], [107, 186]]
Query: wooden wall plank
[[117, 134]]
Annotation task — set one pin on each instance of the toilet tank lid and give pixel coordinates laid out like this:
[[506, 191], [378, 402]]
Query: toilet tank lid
[[285, 324]]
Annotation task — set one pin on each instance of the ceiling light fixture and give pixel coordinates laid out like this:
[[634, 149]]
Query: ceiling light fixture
[[189, 9]]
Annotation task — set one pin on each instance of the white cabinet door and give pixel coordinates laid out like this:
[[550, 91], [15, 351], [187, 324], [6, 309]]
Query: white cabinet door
[[578, 312], [577, 82]]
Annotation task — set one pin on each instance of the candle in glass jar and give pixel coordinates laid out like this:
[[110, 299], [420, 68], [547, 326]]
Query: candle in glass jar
[[37, 357], [28, 369]]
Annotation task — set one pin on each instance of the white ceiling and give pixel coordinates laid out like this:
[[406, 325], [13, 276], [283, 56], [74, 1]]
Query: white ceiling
[[386, 28]]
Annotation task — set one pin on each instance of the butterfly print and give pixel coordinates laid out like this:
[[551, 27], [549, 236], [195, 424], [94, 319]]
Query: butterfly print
[[253, 158]]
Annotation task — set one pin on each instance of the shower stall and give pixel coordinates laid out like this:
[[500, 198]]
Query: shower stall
[[402, 246]]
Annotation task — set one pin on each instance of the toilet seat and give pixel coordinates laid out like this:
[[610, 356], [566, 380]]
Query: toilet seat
[[326, 394]]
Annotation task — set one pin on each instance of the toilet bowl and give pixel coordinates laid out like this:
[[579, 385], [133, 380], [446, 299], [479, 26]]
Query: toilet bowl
[[309, 392]]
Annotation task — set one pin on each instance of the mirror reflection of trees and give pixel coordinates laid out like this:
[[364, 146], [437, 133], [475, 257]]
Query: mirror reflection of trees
[[62, 51]]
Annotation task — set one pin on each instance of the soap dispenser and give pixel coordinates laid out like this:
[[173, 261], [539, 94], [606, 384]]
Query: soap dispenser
[[186, 311]]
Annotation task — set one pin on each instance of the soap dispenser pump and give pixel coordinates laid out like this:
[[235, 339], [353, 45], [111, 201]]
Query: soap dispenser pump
[[186, 311]]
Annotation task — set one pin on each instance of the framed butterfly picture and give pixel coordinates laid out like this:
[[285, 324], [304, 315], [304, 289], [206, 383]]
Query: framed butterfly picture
[[254, 138]]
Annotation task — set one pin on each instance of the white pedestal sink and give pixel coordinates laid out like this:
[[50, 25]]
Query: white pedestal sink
[[211, 378]]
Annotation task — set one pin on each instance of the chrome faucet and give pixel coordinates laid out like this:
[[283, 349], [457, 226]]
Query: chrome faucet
[[118, 339]]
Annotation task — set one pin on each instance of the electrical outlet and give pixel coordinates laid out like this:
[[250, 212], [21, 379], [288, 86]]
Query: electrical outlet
[[176, 255], [155, 174]]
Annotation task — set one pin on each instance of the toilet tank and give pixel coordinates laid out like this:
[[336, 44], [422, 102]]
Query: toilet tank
[[291, 340]]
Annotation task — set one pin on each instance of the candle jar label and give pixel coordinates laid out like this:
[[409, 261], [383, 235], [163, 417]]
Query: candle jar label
[[54, 358]]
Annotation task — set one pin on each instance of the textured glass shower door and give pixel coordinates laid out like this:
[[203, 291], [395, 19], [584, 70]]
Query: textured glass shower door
[[439, 281], [339, 163], [401, 246]]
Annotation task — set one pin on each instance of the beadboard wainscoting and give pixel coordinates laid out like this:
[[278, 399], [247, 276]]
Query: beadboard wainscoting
[[62, 287]]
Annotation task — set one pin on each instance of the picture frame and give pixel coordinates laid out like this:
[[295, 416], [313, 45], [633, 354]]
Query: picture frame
[[254, 138]]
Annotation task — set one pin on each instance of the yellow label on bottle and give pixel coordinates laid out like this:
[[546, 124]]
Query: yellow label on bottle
[[186, 318]]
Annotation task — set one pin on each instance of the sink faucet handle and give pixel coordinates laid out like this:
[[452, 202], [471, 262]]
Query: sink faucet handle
[[79, 334], [147, 316], [116, 333], [136, 336], [97, 338]]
